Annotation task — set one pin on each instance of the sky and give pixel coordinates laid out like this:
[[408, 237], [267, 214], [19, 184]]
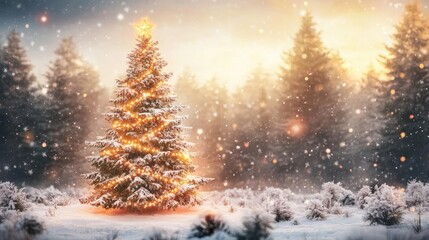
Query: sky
[[211, 38]]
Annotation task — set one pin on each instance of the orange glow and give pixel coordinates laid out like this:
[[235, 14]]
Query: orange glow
[[296, 128], [142, 143], [43, 19]]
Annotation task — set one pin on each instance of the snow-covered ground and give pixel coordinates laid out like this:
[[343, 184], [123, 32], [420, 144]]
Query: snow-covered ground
[[278, 213], [78, 221]]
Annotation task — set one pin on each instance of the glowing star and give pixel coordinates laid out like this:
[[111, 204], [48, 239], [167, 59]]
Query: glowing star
[[403, 134], [143, 27]]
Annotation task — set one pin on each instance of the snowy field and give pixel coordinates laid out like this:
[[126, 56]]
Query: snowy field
[[63, 217], [78, 221]]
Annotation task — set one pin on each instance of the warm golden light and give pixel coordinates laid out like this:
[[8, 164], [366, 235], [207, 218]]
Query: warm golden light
[[141, 143], [296, 128], [143, 27]]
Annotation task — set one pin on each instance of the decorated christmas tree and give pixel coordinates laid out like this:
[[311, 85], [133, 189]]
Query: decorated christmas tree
[[143, 160]]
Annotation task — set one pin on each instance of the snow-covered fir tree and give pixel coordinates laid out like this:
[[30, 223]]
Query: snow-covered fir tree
[[403, 147], [213, 126], [18, 119], [365, 122], [143, 161], [73, 94], [249, 159], [311, 120]]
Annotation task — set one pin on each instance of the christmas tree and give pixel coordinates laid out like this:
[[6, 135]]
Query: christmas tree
[[143, 161]]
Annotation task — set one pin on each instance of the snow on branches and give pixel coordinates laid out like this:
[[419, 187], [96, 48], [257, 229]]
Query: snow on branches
[[143, 160]]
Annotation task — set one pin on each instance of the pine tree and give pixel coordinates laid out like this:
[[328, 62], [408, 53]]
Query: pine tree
[[73, 93], [312, 117], [365, 122], [213, 126], [19, 133], [189, 95], [250, 137], [403, 149], [143, 161]]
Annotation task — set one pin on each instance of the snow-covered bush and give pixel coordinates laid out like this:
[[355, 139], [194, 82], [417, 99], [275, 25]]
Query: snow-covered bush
[[274, 201], [209, 225], [347, 214], [256, 227], [336, 209], [417, 194], [316, 210], [271, 193], [160, 234], [49, 196], [20, 228], [110, 236], [12, 198], [30, 225], [237, 197], [282, 211], [333, 192], [364, 192], [384, 207]]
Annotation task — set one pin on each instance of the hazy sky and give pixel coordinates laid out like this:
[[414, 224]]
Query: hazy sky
[[226, 39]]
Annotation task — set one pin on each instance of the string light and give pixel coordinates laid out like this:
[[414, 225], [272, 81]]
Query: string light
[[140, 143]]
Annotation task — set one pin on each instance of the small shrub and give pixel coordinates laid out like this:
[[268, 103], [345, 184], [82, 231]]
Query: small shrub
[[348, 199], [274, 201], [417, 194], [31, 226], [347, 214], [417, 224], [295, 222], [256, 227], [12, 198], [111, 236], [364, 192], [316, 210], [162, 235], [236, 197], [49, 196], [271, 193], [52, 212], [332, 193], [20, 228], [231, 209], [210, 224], [336, 209], [384, 206], [282, 212]]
